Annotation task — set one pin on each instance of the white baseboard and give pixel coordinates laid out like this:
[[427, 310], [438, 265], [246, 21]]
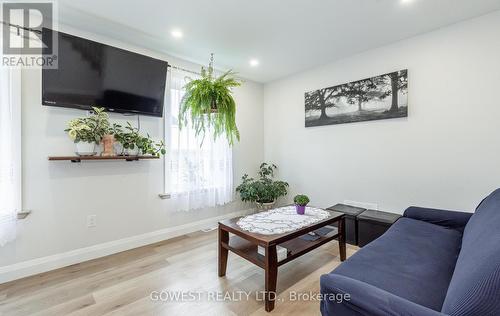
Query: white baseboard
[[44, 264]]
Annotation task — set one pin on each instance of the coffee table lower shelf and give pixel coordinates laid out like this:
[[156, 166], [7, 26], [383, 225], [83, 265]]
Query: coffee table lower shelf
[[296, 248]]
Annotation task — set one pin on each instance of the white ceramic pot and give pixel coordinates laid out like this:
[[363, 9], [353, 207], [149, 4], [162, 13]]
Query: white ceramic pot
[[265, 206], [98, 149], [85, 149], [119, 150], [132, 152]]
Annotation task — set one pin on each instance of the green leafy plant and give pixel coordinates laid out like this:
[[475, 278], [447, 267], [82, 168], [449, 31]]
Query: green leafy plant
[[89, 129], [209, 104], [130, 138], [128, 135], [148, 147], [96, 125], [301, 200], [264, 189]]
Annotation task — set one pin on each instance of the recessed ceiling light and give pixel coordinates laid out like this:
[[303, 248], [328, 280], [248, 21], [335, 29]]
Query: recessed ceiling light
[[406, 1], [254, 62], [177, 33]]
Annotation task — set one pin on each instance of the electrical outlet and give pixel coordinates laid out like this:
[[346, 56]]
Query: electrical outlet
[[92, 221]]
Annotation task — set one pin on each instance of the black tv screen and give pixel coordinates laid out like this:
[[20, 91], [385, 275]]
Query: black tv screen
[[93, 74]]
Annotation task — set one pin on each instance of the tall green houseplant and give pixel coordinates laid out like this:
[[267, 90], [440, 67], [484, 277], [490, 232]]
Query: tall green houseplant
[[264, 190], [209, 104]]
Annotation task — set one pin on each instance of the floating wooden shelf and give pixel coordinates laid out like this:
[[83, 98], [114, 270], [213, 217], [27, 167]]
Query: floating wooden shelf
[[80, 158]]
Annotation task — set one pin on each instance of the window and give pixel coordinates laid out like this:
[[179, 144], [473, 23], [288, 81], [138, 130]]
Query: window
[[196, 177], [10, 152]]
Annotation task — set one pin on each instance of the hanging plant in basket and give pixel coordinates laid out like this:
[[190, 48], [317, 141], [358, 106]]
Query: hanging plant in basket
[[209, 104]]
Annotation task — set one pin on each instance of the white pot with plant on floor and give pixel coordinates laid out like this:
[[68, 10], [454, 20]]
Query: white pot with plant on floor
[[263, 191], [87, 132]]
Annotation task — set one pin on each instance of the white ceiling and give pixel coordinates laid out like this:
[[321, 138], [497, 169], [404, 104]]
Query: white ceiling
[[286, 36]]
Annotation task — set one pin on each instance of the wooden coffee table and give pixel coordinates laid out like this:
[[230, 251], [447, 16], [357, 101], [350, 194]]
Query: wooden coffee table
[[245, 245]]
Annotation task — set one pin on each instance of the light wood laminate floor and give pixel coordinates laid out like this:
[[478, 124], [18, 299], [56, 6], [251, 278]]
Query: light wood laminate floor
[[122, 284]]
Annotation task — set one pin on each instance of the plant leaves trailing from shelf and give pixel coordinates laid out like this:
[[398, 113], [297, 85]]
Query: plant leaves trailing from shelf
[[209, 104], [131, 139]]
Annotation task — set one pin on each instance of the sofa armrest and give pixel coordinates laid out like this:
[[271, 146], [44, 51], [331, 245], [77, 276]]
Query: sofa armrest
[[366, 299], [449, 219]]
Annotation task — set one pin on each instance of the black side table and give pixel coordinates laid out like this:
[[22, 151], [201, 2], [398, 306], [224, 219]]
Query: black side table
[[373, 224], [351, 224]]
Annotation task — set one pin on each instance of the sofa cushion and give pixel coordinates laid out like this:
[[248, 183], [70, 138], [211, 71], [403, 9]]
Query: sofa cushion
[[413, 259], [475, 286]]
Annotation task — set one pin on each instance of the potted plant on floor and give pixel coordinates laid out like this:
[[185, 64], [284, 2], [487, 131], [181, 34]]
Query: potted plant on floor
[[209, 104], [264, 191], [300, 203], [88, 131]]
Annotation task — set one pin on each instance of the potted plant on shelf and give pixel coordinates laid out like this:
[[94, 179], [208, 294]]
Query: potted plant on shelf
[[264, 191], [131, 143], [300, 203], [88, 131], [126, 139], [209, 104]]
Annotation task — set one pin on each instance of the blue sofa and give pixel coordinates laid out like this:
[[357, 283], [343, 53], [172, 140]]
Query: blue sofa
[[430, 262]]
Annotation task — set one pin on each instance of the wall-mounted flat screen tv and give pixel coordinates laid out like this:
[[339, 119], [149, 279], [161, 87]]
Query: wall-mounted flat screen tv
[[93, 74]]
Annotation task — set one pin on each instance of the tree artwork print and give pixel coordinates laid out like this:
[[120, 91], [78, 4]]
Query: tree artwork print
[[376, 98]]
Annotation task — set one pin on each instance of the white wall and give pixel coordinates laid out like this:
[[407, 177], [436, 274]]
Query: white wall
[[445, 154], [123, 195]]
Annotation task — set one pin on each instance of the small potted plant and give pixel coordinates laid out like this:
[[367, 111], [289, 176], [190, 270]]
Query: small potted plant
[[263, 191], [126, 140], [88, 131], [130, 143], [300, 203]]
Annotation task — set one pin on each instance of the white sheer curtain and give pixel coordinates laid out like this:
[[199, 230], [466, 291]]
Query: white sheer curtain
[[196, 177], [10, 152]]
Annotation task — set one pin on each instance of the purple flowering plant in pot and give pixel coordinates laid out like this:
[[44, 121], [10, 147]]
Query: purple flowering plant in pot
[[300, 203]]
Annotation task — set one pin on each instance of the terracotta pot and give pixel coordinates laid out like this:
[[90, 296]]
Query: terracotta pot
[[108, 142]]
